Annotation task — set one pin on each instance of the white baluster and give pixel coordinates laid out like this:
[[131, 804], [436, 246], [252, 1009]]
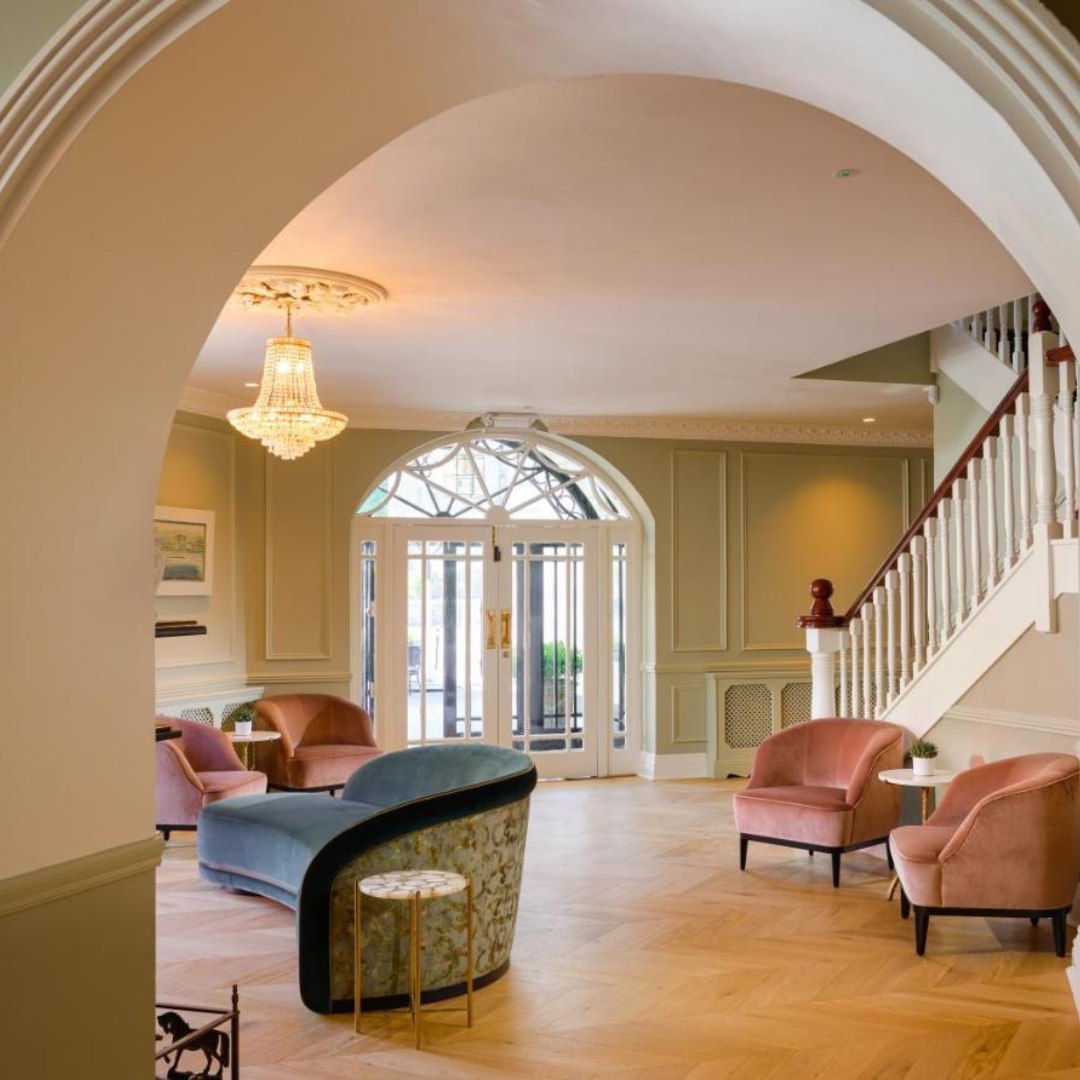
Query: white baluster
[[1044, 388], [960, 550], [975, 580], [845, 706], [990, 451], [1018, 338], [1076, 438], [855, 630], [1030, 319], [903, 564], [1003, 334], [930, 531], [1066, 408], [879, 652], [867, 680], [892, 610], [977, 327], [1008, 519], [918, 600], [988, 333], [947, 621], [1023, 451]]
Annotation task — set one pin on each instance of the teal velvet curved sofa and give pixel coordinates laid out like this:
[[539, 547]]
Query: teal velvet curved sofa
[[461, 808]]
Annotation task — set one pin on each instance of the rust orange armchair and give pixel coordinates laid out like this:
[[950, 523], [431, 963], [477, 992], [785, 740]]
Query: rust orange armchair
[[815, 786], [199, 768], [324, 740], [1005, 841]]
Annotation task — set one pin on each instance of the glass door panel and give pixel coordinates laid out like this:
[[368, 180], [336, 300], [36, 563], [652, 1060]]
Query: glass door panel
[[548, 697], [445, 580]]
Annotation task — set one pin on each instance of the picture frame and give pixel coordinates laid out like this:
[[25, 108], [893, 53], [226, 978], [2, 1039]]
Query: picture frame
[[184, 544]]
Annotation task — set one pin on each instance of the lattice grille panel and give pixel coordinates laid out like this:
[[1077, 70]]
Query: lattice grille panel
[[795, 703], [201, 715], [747, 715], [227, 722]]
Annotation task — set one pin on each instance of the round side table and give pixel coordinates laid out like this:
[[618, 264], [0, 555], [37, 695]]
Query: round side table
[[243, 743], [926, 785], [414, 886]]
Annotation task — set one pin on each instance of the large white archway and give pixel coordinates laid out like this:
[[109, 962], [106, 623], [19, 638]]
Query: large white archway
[[126, 246]]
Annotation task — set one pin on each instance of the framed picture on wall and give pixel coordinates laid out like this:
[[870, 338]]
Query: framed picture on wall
[[184, 543]]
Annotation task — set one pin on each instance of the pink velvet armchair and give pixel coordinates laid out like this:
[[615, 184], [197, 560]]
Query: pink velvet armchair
[[324, 740], [815, 786], [199, 768], [1005, 841]]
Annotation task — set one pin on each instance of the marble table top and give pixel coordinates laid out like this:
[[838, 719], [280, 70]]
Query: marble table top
[[405, 884]]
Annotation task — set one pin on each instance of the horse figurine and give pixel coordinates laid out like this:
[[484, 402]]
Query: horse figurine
[[213, 1044]]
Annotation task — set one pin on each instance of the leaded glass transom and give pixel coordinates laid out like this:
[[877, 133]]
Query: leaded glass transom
[[481, 475]]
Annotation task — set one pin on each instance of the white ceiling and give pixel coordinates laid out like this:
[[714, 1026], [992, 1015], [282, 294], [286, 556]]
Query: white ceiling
[[627, 246]]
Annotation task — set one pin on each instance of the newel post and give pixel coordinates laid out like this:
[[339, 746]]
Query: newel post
[[824, 637]]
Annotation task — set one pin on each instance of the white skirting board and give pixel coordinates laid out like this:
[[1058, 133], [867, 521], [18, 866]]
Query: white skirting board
[[671, 766]]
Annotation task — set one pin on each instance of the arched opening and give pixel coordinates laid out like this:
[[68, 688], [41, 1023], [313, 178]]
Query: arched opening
[[498, 596], [127, 246]]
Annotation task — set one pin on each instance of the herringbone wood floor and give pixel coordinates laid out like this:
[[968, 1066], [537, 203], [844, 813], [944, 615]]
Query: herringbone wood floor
[[642, 952]]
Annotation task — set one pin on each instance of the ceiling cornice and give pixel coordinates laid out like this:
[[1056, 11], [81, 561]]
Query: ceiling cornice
[[210, 403]]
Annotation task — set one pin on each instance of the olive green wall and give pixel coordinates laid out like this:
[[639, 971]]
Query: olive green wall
[[957, 418], [739, 531]]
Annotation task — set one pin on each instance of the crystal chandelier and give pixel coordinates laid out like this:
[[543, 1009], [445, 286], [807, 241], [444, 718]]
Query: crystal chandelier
[[287, 417]]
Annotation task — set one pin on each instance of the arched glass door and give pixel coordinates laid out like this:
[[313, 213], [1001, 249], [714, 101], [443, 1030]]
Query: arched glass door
[[502, 563]]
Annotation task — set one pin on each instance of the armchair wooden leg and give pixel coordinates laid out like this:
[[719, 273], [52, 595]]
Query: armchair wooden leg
[[888, 856], [836, 869], [922, 924], [1058, 922], [1034, 920], [905, 904], [743, 845]]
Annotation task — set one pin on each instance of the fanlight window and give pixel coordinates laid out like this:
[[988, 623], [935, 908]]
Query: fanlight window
[[480, 473]]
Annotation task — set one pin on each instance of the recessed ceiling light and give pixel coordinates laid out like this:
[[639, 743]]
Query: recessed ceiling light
[[251, 385], [869, 419], [845, 174]]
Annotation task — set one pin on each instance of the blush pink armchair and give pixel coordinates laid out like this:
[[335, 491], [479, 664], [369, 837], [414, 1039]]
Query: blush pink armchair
[[815, 786], [324, 740], [1005, 841], [195, 770]]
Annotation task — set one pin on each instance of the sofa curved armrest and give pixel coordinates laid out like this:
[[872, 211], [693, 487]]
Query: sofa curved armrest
[[1018, 847], [778, 761], [271, 712], [878, 755], [314, 906]]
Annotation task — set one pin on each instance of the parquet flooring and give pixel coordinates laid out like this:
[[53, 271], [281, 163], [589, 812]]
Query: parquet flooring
[[643, 953]]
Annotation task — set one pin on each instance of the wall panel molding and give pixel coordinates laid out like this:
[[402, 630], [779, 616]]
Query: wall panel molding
[[1049, 725], [49, 883], [687, 716], [693, 543], [317, 583], [276, 678]]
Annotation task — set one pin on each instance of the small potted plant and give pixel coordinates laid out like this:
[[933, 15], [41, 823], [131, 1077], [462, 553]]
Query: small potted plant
[[242, 717], [922, 757]]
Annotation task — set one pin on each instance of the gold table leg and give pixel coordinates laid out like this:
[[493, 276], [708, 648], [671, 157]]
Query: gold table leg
[[417, 979], [469, 948], [357, 969]]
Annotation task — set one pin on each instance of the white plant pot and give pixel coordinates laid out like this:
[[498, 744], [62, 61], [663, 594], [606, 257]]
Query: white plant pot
[[922, 766], [242, 727]]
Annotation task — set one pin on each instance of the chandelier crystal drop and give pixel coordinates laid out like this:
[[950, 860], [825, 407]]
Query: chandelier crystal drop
[[287, 417]]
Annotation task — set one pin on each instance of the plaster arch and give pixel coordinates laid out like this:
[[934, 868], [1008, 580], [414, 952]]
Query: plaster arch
[[134, 232]]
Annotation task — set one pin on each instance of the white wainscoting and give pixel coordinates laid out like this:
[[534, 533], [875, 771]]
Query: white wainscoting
[[671, 766]]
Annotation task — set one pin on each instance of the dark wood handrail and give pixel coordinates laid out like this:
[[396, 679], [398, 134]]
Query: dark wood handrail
[[1060, 356], [973, 450]]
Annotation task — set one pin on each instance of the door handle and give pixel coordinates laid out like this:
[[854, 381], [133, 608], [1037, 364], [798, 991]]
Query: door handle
[[504, 619], [491, 643]]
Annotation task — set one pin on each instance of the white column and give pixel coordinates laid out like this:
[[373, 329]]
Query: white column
[[991, 500], [855, 628], [867, 685], [844, 704], [903, 566], [930, 532], [960, 550], [892, 590], [880, 692], [918, 601], [823, 645], [975, 581], [947, 623], [1023, 450], [1008, 519], [1067, 377], [1044, 387]]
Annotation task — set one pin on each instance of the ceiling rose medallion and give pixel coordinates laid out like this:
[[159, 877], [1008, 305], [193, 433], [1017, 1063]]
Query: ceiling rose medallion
[[288, 418]]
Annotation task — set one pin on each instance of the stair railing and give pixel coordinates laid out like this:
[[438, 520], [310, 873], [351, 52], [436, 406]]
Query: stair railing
[[1013, 488], [1003, 330]]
